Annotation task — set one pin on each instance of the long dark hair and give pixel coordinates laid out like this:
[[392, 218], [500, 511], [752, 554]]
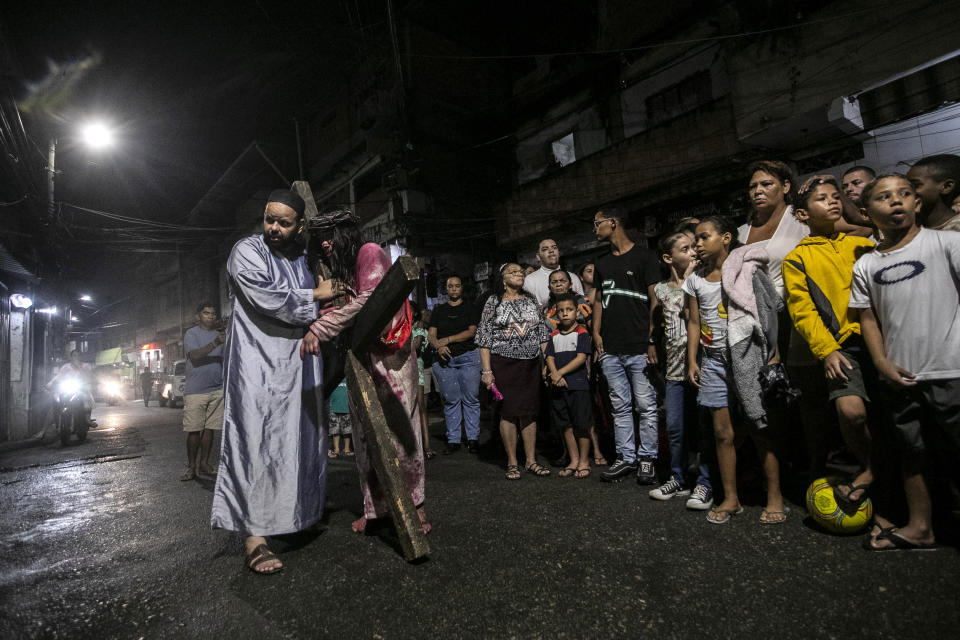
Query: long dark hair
[[346, 238], [723, 224]]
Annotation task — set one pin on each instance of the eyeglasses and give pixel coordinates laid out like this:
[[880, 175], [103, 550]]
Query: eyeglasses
[[597, 223]]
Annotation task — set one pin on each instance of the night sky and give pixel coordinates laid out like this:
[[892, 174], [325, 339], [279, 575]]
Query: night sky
[[187, 85]]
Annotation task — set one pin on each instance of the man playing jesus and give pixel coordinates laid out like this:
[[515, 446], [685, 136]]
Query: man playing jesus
[[357, 269]]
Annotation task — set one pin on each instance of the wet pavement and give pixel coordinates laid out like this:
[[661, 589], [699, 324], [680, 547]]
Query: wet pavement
[[103, 540]]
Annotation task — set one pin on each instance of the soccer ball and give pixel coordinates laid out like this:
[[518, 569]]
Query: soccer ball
[[825, 511]]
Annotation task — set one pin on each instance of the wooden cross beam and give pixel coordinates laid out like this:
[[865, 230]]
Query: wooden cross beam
[[368, 326]]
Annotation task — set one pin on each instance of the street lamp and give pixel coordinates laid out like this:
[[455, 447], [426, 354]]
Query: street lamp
[[95, 135], [86, 298]]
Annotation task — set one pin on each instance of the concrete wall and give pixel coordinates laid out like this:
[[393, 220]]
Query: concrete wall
[[845, 48], [641, 162], [21, 368]]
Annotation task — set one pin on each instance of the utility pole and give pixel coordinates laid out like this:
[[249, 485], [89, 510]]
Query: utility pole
[[51, 173], [180, 297]]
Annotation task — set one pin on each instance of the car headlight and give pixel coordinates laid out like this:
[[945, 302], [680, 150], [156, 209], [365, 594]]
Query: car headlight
[[167, 388], [111, 388], [69, 386]]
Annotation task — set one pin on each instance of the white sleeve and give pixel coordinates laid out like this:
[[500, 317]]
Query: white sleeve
[[577, 285], [951, 246], [859, 289]]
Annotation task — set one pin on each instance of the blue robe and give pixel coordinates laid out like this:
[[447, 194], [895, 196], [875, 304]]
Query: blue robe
[[273, 460]]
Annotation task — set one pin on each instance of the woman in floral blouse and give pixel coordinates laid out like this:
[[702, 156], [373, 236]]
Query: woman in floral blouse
[[512, 336]]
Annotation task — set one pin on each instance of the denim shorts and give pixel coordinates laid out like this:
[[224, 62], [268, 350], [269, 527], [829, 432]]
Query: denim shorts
[[716, 379]]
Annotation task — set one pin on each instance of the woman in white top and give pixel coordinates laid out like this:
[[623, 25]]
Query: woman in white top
[[773, 225]]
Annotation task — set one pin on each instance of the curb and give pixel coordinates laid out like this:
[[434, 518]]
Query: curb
[[14, 445]]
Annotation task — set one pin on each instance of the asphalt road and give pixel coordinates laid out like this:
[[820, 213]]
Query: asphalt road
[[103, 540]]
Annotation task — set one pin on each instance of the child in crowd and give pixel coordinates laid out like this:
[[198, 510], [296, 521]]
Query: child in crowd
[[718, 375], [907, 295], [707, 336], [341, 427], [936, 179], [424, 377], [567, 352], [677, 252], [817, 276]]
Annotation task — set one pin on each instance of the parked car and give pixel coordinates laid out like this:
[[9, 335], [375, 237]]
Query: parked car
[[173, 384]]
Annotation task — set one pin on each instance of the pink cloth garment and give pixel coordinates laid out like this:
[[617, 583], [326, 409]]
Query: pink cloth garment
[[394, 371], [737, 280]]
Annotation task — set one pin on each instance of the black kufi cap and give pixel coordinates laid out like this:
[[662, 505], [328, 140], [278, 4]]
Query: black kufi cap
[[290, 198]]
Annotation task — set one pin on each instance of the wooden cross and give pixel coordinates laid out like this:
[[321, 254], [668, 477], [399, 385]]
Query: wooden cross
[[376, 314]]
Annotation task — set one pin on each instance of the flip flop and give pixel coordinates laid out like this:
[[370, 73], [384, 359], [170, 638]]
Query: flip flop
[[726, 515], [580, 474], [779, 517], [844, 501], [867, 542], [900, 543], [260, 554], [537, 469], [566, 473]]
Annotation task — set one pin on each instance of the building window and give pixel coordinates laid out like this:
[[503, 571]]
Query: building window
[[563, 150], [677, 99]]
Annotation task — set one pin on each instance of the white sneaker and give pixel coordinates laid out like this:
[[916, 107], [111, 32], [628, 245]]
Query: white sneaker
[[668, 489], [701, 499]]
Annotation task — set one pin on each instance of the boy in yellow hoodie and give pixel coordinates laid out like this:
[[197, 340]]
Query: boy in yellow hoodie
[[817, 275]]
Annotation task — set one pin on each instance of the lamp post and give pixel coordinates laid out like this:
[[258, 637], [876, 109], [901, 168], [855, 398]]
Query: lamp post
[[95, 135]]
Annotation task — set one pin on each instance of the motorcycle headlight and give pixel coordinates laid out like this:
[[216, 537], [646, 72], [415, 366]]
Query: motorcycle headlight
[[69, 386]]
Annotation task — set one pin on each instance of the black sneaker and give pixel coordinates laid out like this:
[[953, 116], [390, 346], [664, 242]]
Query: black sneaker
[[701, 499], [451, 448], [646, 474], [473, 447], [618, 471], [669, 489]]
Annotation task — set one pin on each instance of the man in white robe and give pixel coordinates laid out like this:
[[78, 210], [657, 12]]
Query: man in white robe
[[272, 476]]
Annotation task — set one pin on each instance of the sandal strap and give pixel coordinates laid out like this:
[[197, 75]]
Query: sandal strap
[[260, 554]]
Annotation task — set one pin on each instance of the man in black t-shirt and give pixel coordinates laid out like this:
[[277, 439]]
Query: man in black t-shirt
[[457, 369], [622, 335]]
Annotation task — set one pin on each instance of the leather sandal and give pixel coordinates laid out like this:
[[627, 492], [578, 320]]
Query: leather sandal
[[260, 554]]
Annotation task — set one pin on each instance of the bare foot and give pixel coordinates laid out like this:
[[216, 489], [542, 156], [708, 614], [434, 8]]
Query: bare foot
[[426, 526], [332, 454], [259, 558], [359, 525]]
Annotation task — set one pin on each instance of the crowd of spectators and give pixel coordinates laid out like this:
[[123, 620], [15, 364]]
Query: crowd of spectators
[[831, 314]]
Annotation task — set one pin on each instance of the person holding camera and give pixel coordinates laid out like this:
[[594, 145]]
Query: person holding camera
[[457, 367]]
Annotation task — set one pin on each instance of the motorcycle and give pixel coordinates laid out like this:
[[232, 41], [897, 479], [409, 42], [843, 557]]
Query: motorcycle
[[111, 392], [71, 412]]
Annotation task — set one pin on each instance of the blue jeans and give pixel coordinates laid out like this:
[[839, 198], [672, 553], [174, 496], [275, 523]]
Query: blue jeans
[[682, 425], [628, 387], [459, 382]]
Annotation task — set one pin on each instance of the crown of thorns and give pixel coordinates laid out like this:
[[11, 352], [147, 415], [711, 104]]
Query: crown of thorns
[[329, 220]]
